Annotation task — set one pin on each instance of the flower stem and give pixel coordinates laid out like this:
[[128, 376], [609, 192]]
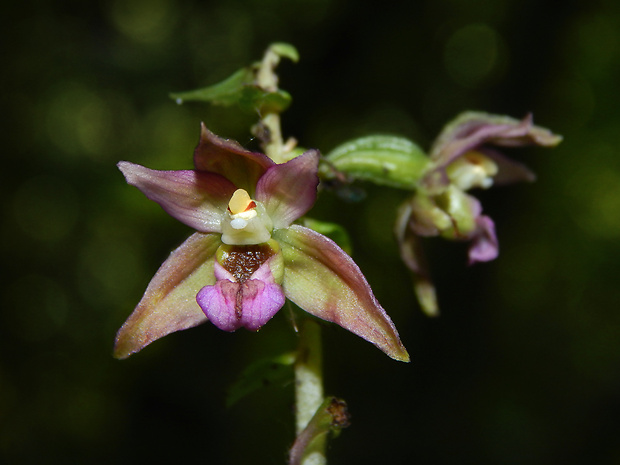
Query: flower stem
[[274, 147], [309, 387], [268, 129]]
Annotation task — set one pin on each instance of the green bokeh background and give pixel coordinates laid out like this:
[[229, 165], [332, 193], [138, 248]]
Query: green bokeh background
[[523, 366]]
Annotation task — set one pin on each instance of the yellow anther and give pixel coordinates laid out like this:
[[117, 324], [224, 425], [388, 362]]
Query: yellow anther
[[240, 202]]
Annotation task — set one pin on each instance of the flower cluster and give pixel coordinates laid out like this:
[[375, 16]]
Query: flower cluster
[[463, 157], [247, 255]]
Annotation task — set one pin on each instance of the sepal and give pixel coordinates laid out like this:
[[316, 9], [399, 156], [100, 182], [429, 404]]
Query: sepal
[[229, 159], [473, 130], [324, 281], [195, 198], [169, 302]]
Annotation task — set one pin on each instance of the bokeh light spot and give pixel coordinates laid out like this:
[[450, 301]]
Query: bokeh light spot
[[78, 120], [602, 217], [593, 47], [146, 21], [592, 189]]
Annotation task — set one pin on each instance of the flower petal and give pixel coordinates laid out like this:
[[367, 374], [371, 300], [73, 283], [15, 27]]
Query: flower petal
[[169, 303], [196, 198], [471, 130], [484, 246], [231, 160], [261, 301], [508, 171], [219, 304], [324, 281], [413, 256], [288, 190], [230, 305]]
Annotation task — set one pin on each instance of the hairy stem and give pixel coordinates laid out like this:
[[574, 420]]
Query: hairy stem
[[268, 129], [309, 387]]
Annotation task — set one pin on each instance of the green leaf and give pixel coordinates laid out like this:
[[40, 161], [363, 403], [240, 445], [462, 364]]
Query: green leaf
[[242, 87], [228, 92], [335, 232], [384, 160], [239, 89], [253, 99], [276, 370]]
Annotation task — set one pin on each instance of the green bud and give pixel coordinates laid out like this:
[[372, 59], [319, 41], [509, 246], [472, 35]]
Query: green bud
[[384, 160], [331, 417]]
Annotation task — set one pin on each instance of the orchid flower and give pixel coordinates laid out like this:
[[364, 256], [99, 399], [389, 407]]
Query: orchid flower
[[463, 157], [247, 256]]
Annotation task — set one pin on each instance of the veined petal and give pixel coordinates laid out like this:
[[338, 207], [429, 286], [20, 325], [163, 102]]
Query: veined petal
[[288, 190], [169, 303], [196, 198], [324, 281], [508, 171], [261, 301], [230, 305], [231, 160], [219, 304], [471, 130]]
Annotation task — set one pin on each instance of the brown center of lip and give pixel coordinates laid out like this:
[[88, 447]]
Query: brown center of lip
[[243, 260]]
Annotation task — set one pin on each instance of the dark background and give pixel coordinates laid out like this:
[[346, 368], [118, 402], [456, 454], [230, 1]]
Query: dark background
[[523, 366]]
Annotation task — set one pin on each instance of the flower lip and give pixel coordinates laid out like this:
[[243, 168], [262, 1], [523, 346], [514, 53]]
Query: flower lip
[[249, 300]]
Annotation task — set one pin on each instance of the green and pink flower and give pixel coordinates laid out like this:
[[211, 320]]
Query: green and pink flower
[[247, 254], [466, 155]]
